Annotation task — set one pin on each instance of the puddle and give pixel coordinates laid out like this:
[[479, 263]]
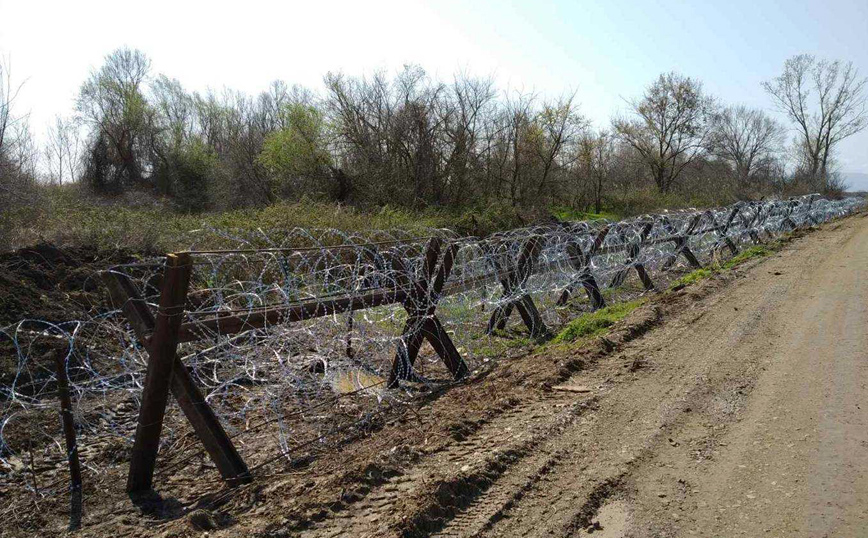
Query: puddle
[[357, 380], [612, 521]]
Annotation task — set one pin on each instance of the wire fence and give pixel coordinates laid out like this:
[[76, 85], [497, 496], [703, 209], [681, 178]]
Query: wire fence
[[300, 340]]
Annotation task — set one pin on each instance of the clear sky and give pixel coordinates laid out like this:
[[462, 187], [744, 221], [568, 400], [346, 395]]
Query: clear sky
[[605, 51]]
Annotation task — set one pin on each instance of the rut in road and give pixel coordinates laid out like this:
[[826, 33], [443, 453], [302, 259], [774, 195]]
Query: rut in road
[[480, 453]]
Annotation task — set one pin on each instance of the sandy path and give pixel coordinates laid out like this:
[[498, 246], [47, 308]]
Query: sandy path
[[795, 463]]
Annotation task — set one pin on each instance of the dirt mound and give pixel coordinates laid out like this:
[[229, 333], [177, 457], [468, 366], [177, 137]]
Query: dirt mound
[[48, 283]]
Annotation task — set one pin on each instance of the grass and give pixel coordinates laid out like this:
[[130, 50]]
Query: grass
[[691, 278], [140, 221], [595, 324], [758, 251], [570, 214], [701, 274], [149, 224]]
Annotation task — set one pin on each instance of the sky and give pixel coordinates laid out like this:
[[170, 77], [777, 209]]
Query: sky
[[606, 52]]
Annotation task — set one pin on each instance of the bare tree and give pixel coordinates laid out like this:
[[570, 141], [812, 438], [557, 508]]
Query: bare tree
[[8, 94], [18, 158], [747, 139], [670, 127], [465, 114], [558, 124], [596, 155], [827, 102], [515, 156], [62, 150]]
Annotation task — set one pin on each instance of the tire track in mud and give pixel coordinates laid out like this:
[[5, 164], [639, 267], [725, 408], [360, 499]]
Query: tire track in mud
[[434, 489], [588, 465], [485, 471]]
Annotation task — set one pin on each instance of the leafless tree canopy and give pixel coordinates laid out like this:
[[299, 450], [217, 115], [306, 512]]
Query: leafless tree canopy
[[749, 140], [17, 148], [826, 100]]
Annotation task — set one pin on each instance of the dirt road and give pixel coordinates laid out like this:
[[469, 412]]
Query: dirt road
[[745, 412]]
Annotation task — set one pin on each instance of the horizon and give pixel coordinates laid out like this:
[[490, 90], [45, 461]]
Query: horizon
[[606, 54]]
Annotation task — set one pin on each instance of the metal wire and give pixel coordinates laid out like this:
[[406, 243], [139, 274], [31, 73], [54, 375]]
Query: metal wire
[[276, 384]]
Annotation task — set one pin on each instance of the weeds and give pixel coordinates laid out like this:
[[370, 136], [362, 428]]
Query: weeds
[[698, 275], [758, 251], [691, 278], [595, 323]]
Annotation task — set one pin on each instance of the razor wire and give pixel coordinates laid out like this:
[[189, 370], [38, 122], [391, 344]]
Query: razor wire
[[298, 384]]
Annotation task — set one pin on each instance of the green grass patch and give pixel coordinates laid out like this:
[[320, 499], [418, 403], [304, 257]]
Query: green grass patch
[[758, 251], [595, 323], [698, 275], [142, 221], [572, 215], [148, 224], [691, 278]]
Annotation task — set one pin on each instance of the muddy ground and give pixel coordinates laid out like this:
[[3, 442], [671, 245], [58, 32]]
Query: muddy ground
[[733, 407], [45, 285]]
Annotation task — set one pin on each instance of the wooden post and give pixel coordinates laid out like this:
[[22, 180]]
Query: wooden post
[[681, 245], [632, 254], [208, 428], [722, 231], [514, 283], [155, 394], [443, 346], [71, 443], [791, 205], [751, 221], [191, 401], [422, 323], [581, 262]]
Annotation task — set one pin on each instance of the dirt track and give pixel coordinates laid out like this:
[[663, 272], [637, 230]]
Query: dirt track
[[745, 413]]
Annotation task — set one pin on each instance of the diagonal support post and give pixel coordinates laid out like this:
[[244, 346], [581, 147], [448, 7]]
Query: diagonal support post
[[422, 322], [791, 206], [752, 223], [722, 232], [161, 362], [681, 247], [166, 372], [633, 251], [514, 284], [581, 262]]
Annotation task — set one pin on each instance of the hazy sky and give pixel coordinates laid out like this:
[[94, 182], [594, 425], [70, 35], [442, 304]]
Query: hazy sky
[[606, 51]]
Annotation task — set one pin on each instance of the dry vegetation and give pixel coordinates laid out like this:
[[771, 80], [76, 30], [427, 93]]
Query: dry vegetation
[[142, 154]]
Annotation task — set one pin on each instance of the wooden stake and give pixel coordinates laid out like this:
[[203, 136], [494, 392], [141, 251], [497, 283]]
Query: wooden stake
[[516, 279], [190, 400], [71, 443], [155, 394]]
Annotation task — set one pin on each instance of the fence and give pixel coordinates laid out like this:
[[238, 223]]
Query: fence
[[300, 338]]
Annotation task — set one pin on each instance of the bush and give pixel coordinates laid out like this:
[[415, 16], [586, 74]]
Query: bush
[[491, 218], [187, 173]]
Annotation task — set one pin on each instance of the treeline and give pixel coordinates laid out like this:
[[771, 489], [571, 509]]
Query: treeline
[[412, 141]]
